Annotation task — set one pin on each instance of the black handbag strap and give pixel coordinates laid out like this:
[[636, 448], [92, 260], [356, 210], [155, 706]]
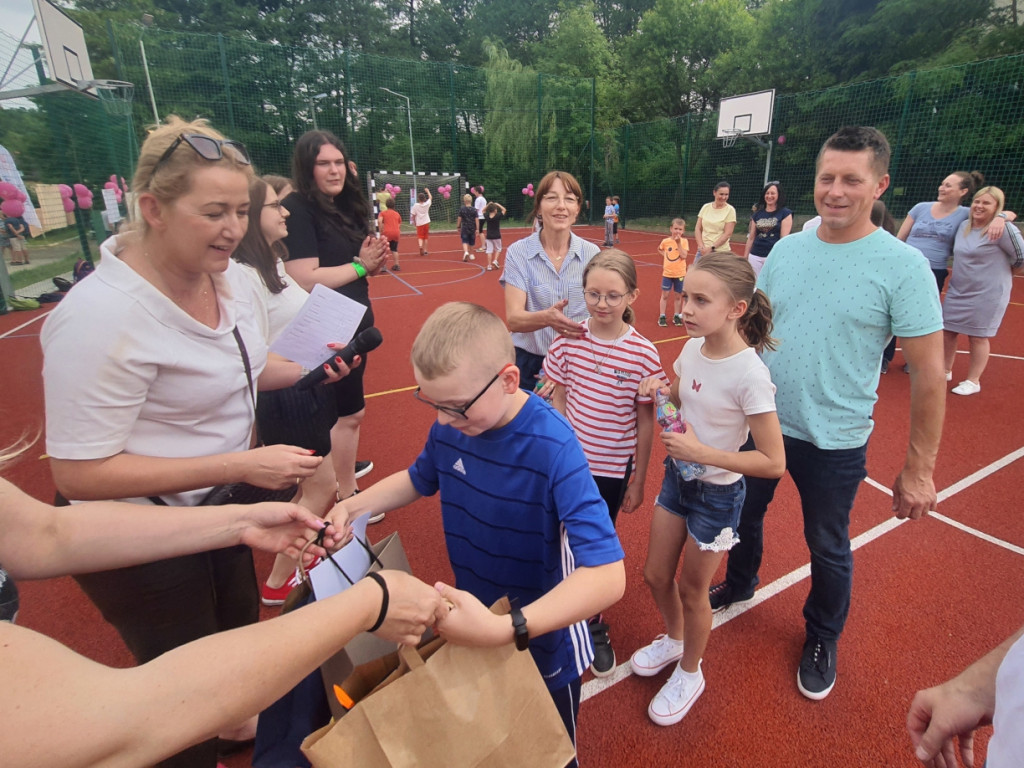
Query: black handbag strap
[[245, 362]]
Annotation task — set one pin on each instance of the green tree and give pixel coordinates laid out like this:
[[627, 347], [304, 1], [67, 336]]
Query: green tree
[[671, 57]]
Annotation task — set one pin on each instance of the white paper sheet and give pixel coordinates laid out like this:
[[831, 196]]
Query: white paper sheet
[[326, 317], [353, 559]]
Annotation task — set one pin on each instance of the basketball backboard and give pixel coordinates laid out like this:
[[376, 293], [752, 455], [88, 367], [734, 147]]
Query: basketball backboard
[[746, 115], [64, 43]]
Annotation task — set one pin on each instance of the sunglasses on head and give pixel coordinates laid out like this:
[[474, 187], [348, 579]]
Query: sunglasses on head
[[207, 148]]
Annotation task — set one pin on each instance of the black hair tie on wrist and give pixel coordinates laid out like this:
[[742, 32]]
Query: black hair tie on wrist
[[384, 600]]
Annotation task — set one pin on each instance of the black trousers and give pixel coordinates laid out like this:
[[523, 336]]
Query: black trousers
[[159, 606]]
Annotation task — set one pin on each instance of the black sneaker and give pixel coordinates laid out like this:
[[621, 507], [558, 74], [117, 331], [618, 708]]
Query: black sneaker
[[722, 596], [817, 674], [363, 468], [604, 655], [885, 365]]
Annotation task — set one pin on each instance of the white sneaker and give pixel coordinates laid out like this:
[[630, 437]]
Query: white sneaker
[[472, 257], [676, 697], [967, 387], [949, 375], [653, 658]]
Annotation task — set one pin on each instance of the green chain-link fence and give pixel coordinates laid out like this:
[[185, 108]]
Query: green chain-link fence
[[504, 129], [967, 117], [497, 129]]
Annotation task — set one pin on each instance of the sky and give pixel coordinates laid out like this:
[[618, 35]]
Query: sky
[[14, 17]]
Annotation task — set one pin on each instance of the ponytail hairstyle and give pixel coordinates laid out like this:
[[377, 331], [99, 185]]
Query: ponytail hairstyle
[[970, 183], [621, 263], [739, 279]]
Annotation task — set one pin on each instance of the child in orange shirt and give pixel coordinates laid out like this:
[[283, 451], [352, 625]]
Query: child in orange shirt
[[389, 223], [674, 251]]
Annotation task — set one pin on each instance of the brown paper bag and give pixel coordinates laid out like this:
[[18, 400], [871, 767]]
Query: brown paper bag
[[364, 647], [460, 708]]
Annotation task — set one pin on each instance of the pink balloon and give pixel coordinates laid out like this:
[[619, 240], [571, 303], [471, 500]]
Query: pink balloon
[[113, 179], [481, 189], [110, 185], [68, 203], [530, 193], [65, 190], [8, 191], [81, 189], [526, 191], [12, 208], [447, 195], [397, 190]]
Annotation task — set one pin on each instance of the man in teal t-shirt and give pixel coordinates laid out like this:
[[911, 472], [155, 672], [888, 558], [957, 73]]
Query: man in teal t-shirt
[[838, 295]]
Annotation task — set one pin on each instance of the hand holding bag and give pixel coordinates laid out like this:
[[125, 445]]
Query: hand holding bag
[[462, 707]]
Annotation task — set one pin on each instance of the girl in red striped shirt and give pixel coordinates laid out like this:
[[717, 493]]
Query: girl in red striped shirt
[[596, 380]]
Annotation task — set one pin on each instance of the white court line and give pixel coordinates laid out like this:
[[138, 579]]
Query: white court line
[[620, 673], [29, 322]]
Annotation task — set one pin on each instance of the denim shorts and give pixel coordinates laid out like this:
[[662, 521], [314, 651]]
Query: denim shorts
[[671, 284], [711, 512]]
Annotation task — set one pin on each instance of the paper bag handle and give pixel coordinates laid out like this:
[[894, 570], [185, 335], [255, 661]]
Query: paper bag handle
[[410, 656], [319, 541]]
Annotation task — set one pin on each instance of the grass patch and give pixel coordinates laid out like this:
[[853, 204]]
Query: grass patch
[[48, 271]]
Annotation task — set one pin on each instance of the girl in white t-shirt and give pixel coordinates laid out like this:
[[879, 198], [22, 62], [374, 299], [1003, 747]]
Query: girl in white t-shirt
[[289, 416], [596, 382], [723, 391]]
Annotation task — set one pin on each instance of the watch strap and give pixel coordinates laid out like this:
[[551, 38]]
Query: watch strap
[[522, 634]]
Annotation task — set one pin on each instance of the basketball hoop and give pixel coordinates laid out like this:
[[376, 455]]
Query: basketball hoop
[[729, 140], [115, 95]]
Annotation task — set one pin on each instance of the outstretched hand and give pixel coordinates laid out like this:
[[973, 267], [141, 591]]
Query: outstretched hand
[[470, 622], [412, 607], [567, 327], [276, 526]]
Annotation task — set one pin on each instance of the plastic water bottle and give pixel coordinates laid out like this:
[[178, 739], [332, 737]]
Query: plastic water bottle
[[671, 421], [541, 381]]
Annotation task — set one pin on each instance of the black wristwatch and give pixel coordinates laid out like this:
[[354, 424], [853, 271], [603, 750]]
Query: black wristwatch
[[521, 632]]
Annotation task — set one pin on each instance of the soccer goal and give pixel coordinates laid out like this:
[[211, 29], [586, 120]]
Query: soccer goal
[[443, 209]]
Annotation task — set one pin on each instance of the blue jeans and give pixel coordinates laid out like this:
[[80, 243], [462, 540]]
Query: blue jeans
[[827, 482]]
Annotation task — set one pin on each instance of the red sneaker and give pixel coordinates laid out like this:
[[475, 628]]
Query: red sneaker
[[276, 595]]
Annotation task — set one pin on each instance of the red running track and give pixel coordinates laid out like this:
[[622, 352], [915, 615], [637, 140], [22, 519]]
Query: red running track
[[929, 596]]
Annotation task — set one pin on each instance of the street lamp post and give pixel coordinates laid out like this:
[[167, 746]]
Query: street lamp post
[[312, 108], [412, 151]]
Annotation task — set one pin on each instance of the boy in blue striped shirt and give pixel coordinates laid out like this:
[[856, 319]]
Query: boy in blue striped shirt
[[521, 513]]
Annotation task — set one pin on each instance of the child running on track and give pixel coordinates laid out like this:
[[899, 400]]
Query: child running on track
[[725, 391], [674, 251], [421, 218], [596, 380], [390, 225]]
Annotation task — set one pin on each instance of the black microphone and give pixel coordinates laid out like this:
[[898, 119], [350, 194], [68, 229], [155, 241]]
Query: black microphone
[[363, 342]]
